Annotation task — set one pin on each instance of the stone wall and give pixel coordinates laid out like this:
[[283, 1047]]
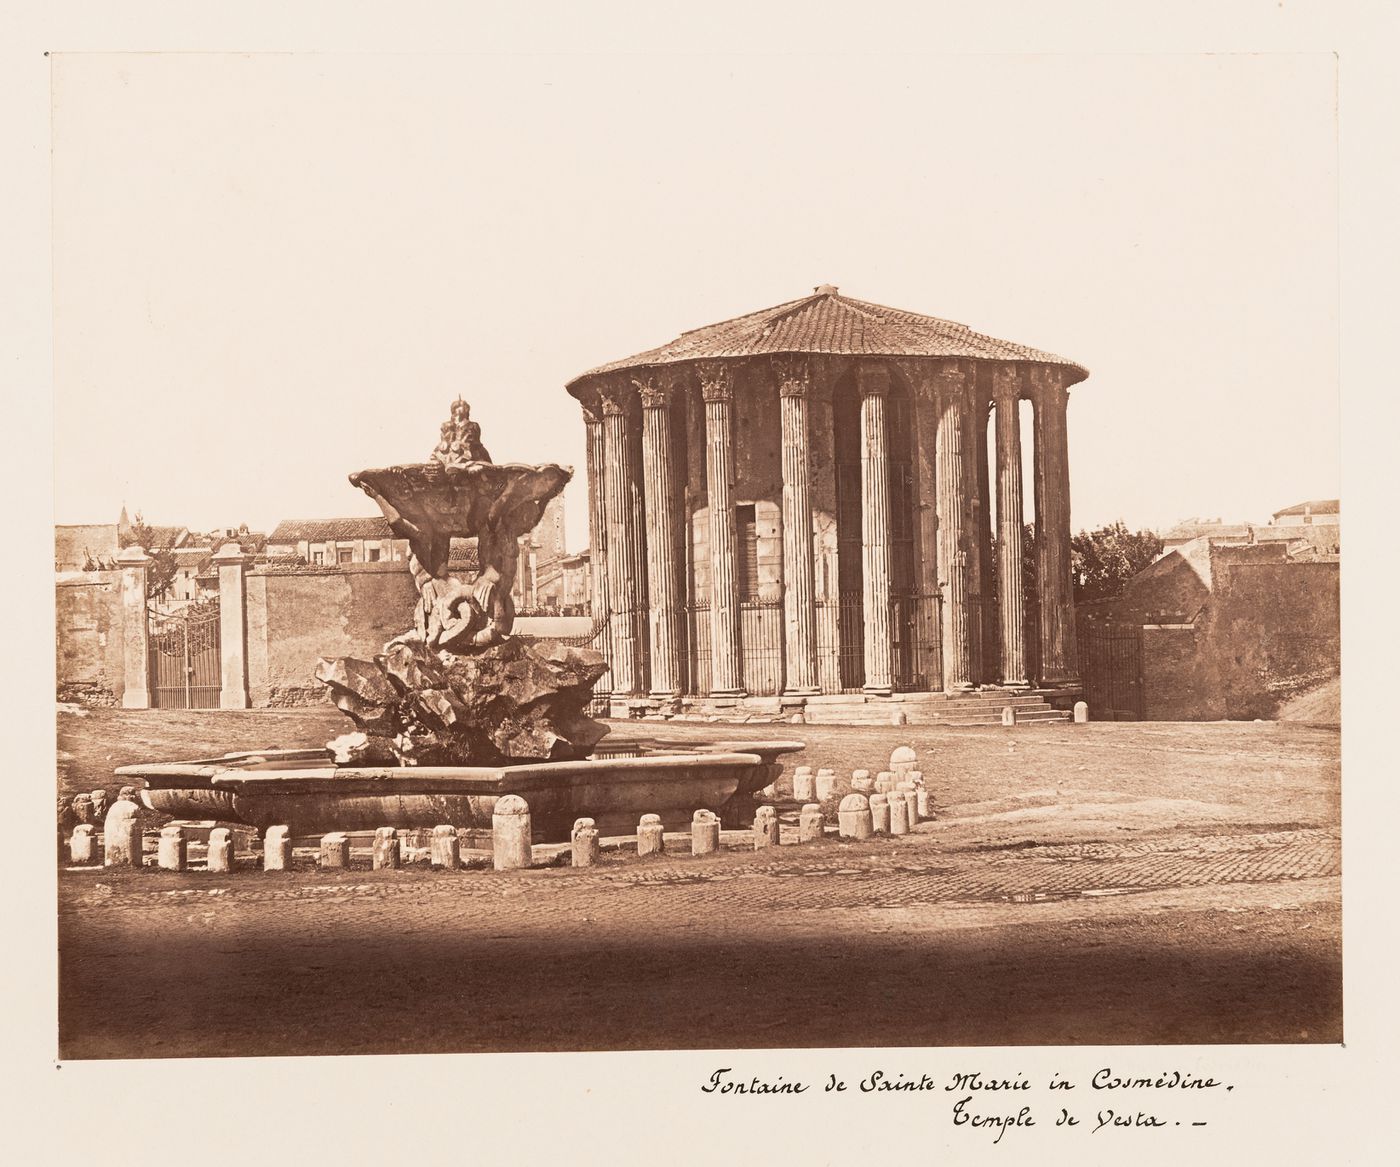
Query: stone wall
[[1232, 632], [88, 635], [297, 616]]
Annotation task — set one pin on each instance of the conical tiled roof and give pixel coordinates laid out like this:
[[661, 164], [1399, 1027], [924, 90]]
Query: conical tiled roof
[[828, 322]]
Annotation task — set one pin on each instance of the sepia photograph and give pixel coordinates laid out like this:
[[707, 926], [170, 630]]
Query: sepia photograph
[[744, 583], [566, 554]]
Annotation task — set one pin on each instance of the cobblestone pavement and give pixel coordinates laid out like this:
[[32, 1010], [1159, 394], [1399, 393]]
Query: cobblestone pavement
[[901, 872]]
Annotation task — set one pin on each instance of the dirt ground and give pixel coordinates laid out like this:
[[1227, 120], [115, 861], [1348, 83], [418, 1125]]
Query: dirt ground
[[1114, 883]]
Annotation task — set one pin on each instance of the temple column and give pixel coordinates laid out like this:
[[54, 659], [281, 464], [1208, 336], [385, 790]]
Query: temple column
[[799, 579], [624, 585], [953, 385], [979, 533], [875, 528], [717, 388], [662, 536], [597, 525], [1058, 650], [1011, 597]]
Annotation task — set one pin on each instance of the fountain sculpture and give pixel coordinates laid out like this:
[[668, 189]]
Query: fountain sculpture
[[456, 711]]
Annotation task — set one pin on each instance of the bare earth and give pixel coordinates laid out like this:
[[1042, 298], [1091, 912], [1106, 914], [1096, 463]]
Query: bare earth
[[1108, 883]]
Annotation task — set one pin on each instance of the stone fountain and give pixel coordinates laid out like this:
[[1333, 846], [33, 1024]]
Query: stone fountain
[[457, 712]]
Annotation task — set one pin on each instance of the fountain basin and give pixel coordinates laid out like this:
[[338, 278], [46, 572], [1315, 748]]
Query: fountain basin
[[301, 790]]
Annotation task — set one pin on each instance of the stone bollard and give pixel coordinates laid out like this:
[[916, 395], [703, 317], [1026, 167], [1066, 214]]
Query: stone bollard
[[446, 848], [510, 834], [584, 841], [277, 849], [880, 813], [923, 800], [1081, 712], [861, 782], [910, 794], [898, 717], [899, 813], [704, 833], [853, 818], [219, 857], [335, 849], [825, 783], [1008, 715], [810, 824], [884, 782], [765, 827], [387, 854], [903, 759], [121, 836], [804, 784], [83, 811], [651, 835], [173, 849], [82, 847], [99, 805]]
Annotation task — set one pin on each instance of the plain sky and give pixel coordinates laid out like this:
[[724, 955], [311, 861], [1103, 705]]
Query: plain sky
[[273, 270]]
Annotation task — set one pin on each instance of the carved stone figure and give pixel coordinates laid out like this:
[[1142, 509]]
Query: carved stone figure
[[456, 689]]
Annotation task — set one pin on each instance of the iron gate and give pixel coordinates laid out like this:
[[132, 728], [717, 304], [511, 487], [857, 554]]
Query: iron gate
[[185, 661], [1110, 657]]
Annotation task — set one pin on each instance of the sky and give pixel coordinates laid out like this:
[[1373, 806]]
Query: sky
[[273, 270]]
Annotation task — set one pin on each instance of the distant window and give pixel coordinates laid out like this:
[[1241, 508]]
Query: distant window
[[374, 554], [344, 555], [747, 522], [318, 557]]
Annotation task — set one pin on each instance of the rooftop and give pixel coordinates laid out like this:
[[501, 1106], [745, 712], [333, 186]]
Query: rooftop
[[829, 323], [1323, 506], [322, 530]]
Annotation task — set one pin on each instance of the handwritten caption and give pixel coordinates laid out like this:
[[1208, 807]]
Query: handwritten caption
[[996, 1106]]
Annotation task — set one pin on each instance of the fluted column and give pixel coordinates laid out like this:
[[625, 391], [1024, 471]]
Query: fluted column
[[799, 582], [624, 586], [717, 388], [597, 522], [875, 528], [1011, 596], [1058, 650], [662, 535], [953, 385], [979, 531]]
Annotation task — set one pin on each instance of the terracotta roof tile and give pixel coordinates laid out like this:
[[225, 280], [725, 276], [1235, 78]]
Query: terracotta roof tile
[[321, 530], [827, 322]]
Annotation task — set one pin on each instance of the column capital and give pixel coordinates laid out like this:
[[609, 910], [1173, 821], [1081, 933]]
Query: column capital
[[873, 378], [655, 389], [616, 398], [953, 377], [1006, 383], [1047, 379], [591, 404], [133, 556], [793, 374], [716, 380]]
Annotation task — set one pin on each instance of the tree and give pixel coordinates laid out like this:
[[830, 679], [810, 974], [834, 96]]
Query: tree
[[161, 573], [1103, 561]]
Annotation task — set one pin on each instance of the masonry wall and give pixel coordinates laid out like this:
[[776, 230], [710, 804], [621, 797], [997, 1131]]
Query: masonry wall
[[296, 617], [88, 627], [1265, 630]]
